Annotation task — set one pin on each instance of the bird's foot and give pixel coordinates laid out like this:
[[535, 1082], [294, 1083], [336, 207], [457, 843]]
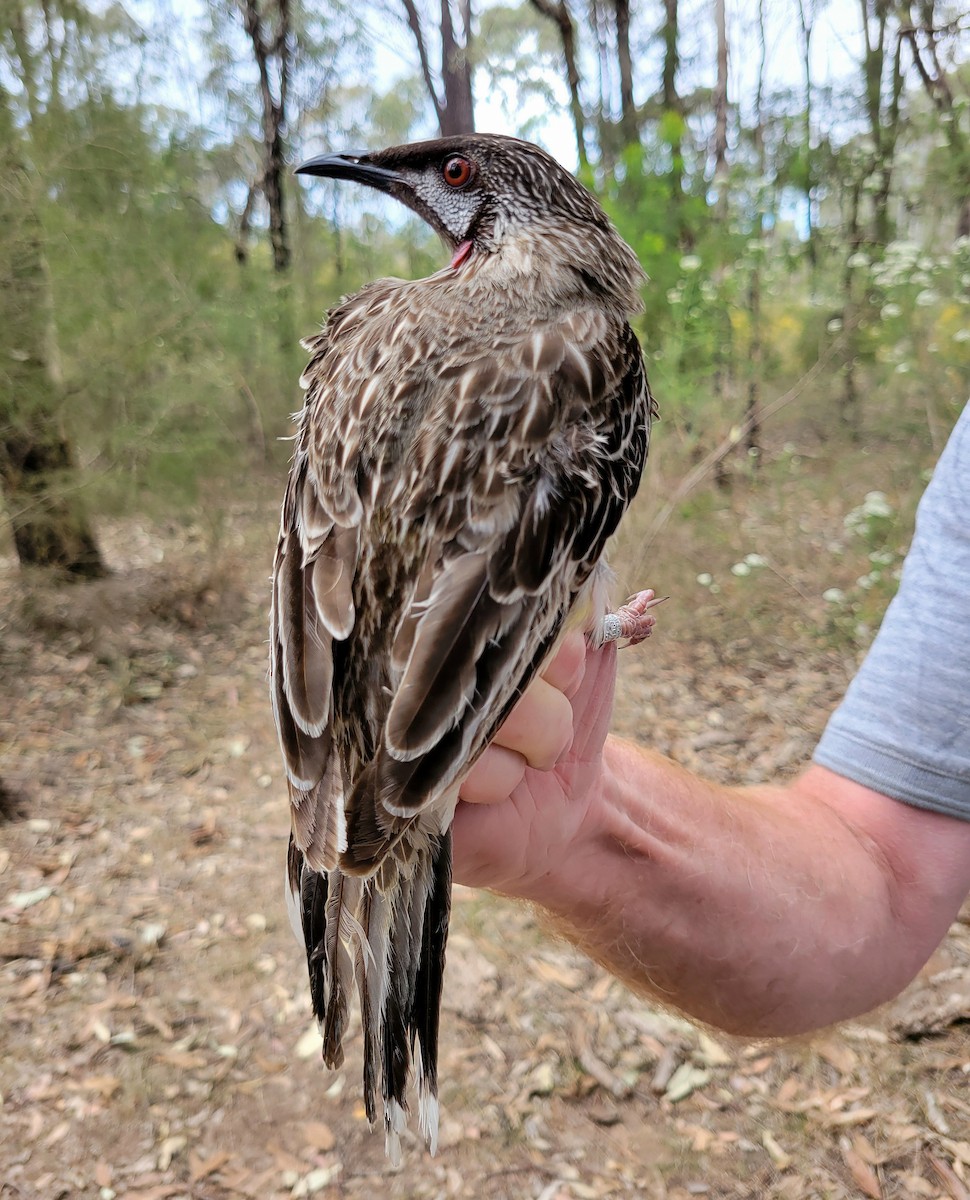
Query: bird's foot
[[632, 622]]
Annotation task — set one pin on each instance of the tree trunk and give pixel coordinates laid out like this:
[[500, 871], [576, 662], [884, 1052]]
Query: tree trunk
[[456, 70], [806, 19], [559, 13], [629, 119], [37, 469], [752, 414], [269, 49], [452, 100], [883, 117], [37, 472], [938, 89], [721, 111], [672, 104], [849, 414]]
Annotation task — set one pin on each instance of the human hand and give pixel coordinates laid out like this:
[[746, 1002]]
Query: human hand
[[526, 799]]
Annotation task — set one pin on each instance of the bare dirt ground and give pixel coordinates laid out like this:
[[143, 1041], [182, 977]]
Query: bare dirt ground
[[155, 1037]]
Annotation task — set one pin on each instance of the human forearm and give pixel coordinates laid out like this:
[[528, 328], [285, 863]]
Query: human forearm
[[764, 911]]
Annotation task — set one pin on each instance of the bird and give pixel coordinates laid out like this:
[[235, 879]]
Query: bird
[[467, 445]]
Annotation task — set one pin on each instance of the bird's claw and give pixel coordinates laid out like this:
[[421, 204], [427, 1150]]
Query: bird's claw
[[632, 622]]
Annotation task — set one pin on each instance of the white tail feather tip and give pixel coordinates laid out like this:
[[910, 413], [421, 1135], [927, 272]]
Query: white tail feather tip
[[428, 1119], [395, 1123]]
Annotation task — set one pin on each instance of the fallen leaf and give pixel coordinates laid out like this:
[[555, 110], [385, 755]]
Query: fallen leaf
[[950, 1181], [863, 1174], [685, 1080], [916, 1185], [542, 1081], [778, 1156], [857, 1116], [309, 1044], [565, 976], [865, 1150], [58, 1133], [837, 1054], [315, 1181], [285, 1161], [712, 1053], [933, 1114], [105, 1085], [200, 1167], [169, 1148], [318, 1136], [185, 1060], [24, 900], [959, 1150]]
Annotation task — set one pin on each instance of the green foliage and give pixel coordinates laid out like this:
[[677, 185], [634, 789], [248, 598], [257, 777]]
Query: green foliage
[[175, 364], [873, 530]]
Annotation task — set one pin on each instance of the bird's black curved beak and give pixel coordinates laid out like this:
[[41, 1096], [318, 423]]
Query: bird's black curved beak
[[350, 166]]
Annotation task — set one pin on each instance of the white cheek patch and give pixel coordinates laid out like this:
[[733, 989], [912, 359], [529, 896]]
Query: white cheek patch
[[454, 209]]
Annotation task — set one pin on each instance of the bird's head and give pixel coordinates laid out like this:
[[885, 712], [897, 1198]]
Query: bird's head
[[488, 195]]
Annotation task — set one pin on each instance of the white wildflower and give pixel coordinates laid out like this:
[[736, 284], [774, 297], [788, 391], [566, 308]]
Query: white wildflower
[[891, 310], [740, 569], [704, 579], [833, 595], [690, 262], [875, 504], [755, 560], [835, 325], [927, 298]]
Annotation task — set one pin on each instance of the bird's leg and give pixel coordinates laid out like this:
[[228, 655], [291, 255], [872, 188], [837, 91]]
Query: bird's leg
[[632, 622]]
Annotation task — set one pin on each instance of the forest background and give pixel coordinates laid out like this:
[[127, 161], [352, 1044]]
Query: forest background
[[795, 178], [795, 181]]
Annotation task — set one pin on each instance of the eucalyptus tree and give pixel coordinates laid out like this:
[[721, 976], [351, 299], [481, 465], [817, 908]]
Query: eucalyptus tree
[[37, 460], [444, 39], [935, 32]]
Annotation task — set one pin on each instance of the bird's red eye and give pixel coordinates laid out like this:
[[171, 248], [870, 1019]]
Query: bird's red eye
[[457, 171]]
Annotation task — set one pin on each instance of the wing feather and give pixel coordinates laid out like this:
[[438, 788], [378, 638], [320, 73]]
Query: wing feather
[[501, 588]]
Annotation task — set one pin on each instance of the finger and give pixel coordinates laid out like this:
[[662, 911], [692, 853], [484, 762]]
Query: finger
[[494, 777], [567, 666], [540, 727], [593, 704]]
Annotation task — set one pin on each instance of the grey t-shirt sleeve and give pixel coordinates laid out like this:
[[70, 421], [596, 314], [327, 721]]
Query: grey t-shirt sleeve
[[903, 728]]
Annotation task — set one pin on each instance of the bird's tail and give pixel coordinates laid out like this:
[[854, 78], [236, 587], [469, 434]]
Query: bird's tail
[[390, 941]]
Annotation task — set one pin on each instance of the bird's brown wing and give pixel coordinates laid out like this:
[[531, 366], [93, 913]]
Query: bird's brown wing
[[312, 605], [521, 482]]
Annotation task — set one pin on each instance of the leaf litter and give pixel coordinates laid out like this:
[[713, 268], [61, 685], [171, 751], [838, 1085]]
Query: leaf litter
[[156, 1038]]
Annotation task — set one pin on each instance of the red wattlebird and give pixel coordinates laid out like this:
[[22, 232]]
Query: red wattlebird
[[468, 444]]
